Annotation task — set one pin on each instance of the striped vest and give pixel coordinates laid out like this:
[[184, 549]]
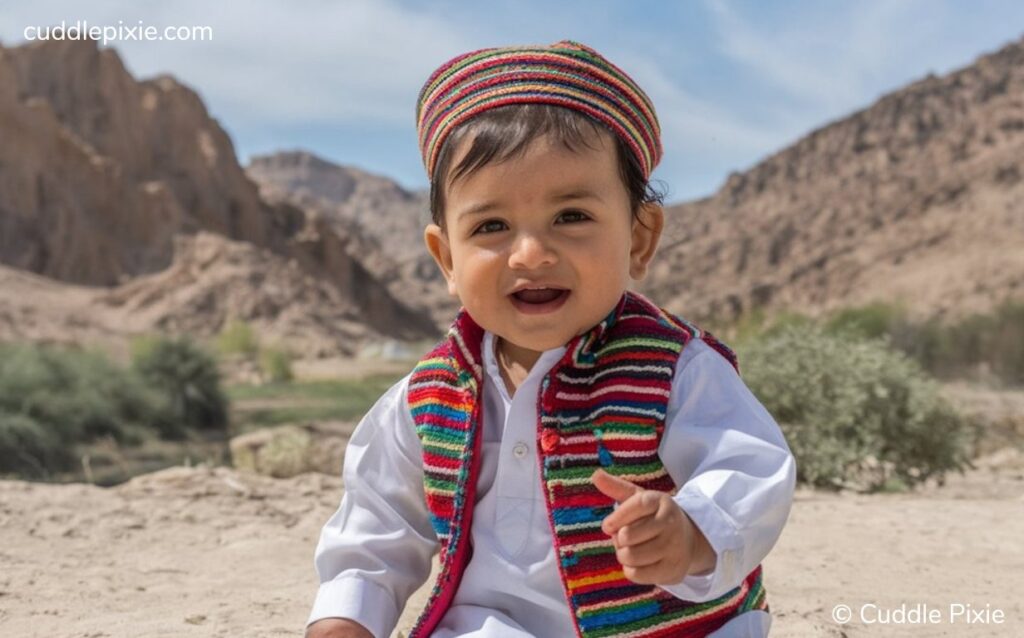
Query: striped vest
[[602, 405]]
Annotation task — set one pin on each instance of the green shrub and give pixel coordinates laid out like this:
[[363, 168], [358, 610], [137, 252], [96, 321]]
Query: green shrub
[[977, 345], [238, 337], [982, 347], [756, 326], [187, 378], [854, 411], [872, 321], [276, 364], [1008, 342], [29, 449], [78, 395], [52, 399]]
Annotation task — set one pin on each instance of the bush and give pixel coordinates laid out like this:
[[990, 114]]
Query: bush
[[29, 449], [990, 344], [855, 411], [872, 321], [756, 325], [276, 365], [238, 337], [984, 347], [52, 399], [188, 379], [78, 395]]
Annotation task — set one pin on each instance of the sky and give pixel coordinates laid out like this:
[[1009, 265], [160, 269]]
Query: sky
[[732, 81]]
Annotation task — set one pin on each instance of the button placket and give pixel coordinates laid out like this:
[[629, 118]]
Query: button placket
[[518, 469], [515, 496]]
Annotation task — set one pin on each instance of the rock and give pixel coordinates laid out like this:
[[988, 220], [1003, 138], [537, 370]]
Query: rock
[[289, 450]]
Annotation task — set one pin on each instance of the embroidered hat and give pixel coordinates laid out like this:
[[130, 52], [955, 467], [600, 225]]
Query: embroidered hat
[[567, 74]]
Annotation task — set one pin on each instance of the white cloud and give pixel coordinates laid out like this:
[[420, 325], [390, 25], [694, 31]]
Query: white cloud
[[313, 61], [827, 64]]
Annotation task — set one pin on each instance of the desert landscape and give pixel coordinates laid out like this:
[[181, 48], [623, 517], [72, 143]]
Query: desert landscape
[[203, 551], [917, 199]]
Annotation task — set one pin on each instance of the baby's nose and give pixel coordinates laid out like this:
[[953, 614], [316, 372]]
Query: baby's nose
[[530, 251]]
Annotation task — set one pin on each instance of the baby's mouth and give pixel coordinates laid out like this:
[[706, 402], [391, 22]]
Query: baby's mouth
[[539, 300], [540, 295]]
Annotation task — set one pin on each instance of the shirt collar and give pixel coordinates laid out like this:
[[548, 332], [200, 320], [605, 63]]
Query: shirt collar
[[545, 362]]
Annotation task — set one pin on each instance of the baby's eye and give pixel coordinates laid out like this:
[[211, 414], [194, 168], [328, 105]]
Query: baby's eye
[[574, 215], [488, 224]]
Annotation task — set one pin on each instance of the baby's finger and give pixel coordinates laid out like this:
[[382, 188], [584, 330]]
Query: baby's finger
[[618, 489], [639, 531], [641, 504], [641, 555]]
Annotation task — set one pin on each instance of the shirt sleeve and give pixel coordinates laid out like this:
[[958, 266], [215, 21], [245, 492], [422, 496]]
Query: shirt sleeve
[[376, 549], [735, 470]]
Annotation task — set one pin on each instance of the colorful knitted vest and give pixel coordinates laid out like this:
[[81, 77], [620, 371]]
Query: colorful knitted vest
[[602, 405]]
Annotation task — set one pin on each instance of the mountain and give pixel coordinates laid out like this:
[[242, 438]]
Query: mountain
[[384, 221], [100, 172], [917, 199]]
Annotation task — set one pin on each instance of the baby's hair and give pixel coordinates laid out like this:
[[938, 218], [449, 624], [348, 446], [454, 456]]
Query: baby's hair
[[505, 132]]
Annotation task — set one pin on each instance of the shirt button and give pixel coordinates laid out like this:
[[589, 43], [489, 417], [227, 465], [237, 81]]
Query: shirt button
[[520, 450], [549, 441]]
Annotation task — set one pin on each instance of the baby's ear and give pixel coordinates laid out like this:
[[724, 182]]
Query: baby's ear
[[437, 243], [646, 235]]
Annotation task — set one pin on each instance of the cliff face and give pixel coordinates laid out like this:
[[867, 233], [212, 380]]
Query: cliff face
[[99, 172], [916, 199], [101, 169], [383, 221]]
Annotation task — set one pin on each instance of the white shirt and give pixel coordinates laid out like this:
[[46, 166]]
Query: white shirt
[[736, 473]]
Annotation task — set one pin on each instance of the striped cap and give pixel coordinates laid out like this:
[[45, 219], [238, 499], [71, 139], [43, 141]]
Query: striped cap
[[567, 74]]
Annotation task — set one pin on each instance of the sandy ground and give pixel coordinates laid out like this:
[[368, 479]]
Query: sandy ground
[[214, 552]]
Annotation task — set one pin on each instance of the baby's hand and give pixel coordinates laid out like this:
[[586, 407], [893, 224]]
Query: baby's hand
[[655, 541]]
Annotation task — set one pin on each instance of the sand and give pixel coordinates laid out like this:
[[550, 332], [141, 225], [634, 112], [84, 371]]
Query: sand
[[200, 551]]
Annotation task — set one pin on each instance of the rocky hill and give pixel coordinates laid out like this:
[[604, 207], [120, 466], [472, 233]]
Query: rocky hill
[[210, 279], [99, 172], [383, 221], [917, 199]]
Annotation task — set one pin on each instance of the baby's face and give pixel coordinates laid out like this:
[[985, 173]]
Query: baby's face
[[552, 220]]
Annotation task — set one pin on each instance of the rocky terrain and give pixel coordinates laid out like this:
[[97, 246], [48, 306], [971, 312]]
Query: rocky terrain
[[383, 221], [918, 199], [210, 280], [101, 175]]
